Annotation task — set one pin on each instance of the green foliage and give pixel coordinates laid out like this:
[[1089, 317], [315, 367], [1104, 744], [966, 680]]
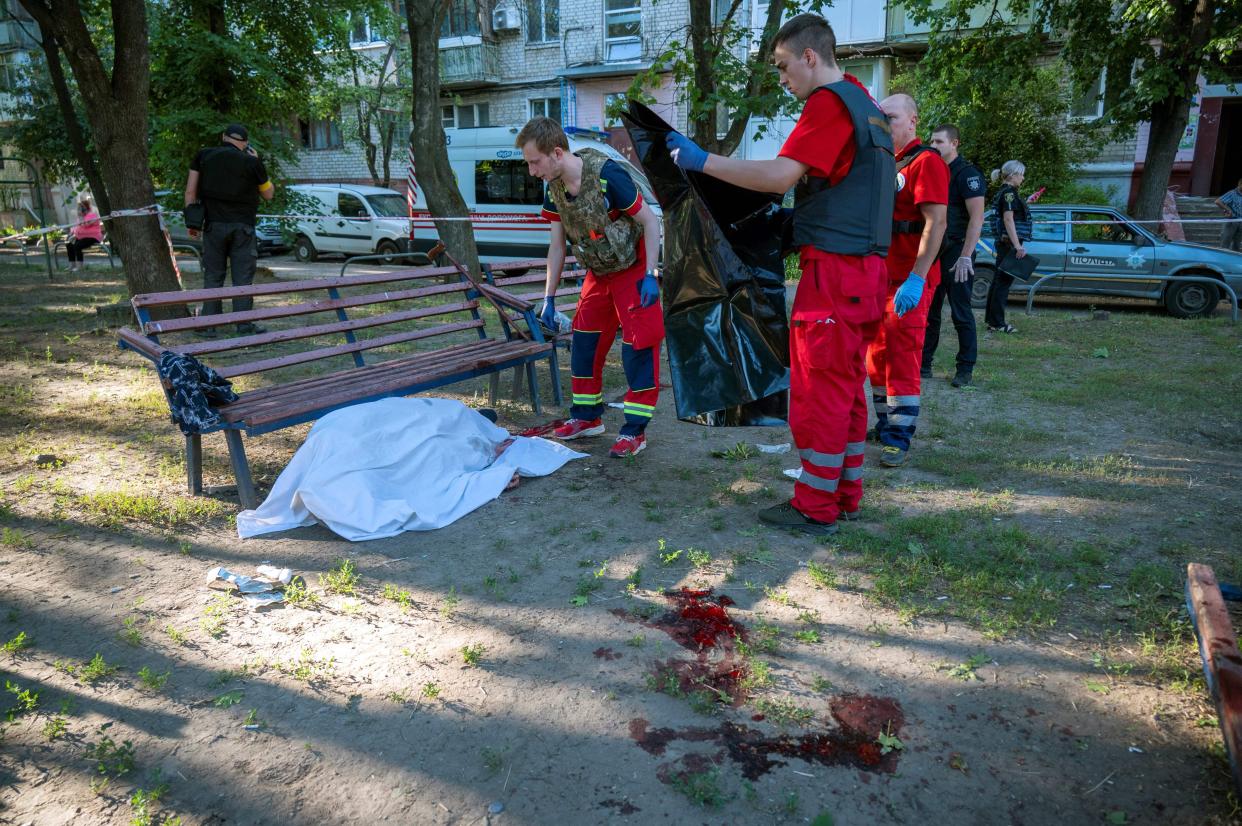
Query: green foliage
[[111, 759], [16, 644], [24, 700], [1004, 113], [341, 578], [96, 670]]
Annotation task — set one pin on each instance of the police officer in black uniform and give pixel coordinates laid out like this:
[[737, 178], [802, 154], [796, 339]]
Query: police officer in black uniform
[[229, 179], [957, 257]]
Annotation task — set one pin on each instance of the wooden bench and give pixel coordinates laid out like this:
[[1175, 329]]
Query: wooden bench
[[413, 306]]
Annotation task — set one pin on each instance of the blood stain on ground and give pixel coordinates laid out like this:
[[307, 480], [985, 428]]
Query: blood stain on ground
[[606, 654], [700, 622], [861, 719]]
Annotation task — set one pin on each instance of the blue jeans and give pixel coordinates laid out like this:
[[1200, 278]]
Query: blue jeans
[[234, 245]]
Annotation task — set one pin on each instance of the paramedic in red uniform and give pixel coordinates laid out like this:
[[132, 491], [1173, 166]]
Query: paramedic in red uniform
[[896, 356], [840, 157], [593, 202]]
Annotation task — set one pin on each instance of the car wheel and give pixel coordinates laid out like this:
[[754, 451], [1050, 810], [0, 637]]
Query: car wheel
[[1190, 299], [388, 248], [979, 287], [304, 250]]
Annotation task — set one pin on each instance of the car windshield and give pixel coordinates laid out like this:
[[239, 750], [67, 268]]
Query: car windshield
[[388, 206]]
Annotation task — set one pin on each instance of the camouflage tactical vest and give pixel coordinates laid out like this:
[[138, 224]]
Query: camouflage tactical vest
[[604, 246]]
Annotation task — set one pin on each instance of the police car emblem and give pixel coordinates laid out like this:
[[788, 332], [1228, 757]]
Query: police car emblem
[[901, 181]]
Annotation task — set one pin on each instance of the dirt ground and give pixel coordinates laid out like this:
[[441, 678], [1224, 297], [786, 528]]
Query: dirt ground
[[999, 640]]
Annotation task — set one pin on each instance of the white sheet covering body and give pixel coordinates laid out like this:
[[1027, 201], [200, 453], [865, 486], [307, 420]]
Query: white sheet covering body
[[378, 469]]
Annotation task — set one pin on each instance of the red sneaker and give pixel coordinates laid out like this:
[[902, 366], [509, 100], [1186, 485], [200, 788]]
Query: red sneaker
[[573, 428], [628, 446]]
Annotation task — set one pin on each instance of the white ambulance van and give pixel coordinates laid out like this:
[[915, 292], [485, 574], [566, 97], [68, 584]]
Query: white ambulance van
[[494, 182]]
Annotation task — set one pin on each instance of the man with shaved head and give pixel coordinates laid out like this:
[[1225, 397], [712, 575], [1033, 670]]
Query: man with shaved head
[[895, 357], [839, 162]]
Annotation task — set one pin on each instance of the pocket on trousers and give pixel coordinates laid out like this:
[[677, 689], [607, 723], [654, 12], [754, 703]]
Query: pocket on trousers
[[825, 342], [643, 327]]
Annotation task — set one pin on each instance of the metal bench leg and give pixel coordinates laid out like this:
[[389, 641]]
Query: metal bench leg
[[194, 463], [554, 368], [534, 388], [241, 469], [493, 389]]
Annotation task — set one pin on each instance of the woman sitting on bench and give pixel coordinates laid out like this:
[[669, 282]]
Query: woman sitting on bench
[[86, 234]]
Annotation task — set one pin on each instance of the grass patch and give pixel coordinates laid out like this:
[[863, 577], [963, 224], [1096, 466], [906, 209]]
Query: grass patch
[[116, 508], [341, 578]]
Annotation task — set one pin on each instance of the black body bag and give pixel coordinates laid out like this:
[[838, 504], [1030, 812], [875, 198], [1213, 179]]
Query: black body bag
[[723, 291]]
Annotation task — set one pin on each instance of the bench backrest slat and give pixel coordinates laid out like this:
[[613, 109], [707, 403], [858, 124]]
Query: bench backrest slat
[[188, 296], [343, 349], [287, 310], [296, 333]]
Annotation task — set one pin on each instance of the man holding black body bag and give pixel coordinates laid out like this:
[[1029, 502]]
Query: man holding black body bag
[[229, 179]]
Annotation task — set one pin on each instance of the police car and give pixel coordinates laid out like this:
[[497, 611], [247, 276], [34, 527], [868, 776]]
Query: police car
[[1112, 255]]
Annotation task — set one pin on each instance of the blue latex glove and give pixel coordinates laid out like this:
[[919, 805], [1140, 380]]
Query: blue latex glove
[[686, 153], [908, 295], [547, 316], [648, 290]]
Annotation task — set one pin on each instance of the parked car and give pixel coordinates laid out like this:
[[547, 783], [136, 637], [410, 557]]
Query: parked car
[[358, 220], [267, 232], [1116, 258]]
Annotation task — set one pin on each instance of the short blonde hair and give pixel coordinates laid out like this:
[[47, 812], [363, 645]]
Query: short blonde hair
[[546, 133]]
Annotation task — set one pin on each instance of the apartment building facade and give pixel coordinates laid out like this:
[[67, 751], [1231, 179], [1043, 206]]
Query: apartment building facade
[[504, 61]]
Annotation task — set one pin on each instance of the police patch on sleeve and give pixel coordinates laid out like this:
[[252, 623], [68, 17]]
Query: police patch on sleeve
[[1009, 197], [974, 183]]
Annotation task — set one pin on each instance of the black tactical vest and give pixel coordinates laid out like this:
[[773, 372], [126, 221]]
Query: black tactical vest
[[604, 246], [854, 217]]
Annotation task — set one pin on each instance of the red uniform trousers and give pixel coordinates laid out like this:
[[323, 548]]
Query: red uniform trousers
[[836, 312], [608, 302], [896, 357]]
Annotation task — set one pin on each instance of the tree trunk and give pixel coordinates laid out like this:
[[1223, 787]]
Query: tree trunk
[[701, 122], [116, 108], [760, 76], [73, 129], [432, 169], [1170, 115]]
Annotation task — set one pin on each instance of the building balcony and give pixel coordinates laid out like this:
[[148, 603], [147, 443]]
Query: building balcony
[[467, 62], [15, 35], [902, 28]]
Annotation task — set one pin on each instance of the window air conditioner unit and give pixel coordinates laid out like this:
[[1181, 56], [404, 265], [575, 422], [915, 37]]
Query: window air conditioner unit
[[506, 19]]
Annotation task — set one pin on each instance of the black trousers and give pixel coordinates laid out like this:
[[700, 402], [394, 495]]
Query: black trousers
[[236, 246], [74, 248], [998, 293], [959, 309]]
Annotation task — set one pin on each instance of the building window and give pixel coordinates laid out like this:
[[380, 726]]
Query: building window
[[447, 119], [360, 31], [543, 20], [623, 30], [320, 133], [472, 116], [10, 70], [614, 103], [506, 182], [1090, 104], [462, 19], [546, 108]]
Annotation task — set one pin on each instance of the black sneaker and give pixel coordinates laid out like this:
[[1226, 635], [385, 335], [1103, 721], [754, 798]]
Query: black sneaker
[[249, 329], [925, 373], [207, 332], [786, 516], [961, 379]]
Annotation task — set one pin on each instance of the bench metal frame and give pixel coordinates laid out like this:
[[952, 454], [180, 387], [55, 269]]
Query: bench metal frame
[[146, 342]]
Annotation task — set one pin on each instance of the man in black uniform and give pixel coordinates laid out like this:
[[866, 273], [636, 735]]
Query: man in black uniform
[[957, 257], [229, 179]]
